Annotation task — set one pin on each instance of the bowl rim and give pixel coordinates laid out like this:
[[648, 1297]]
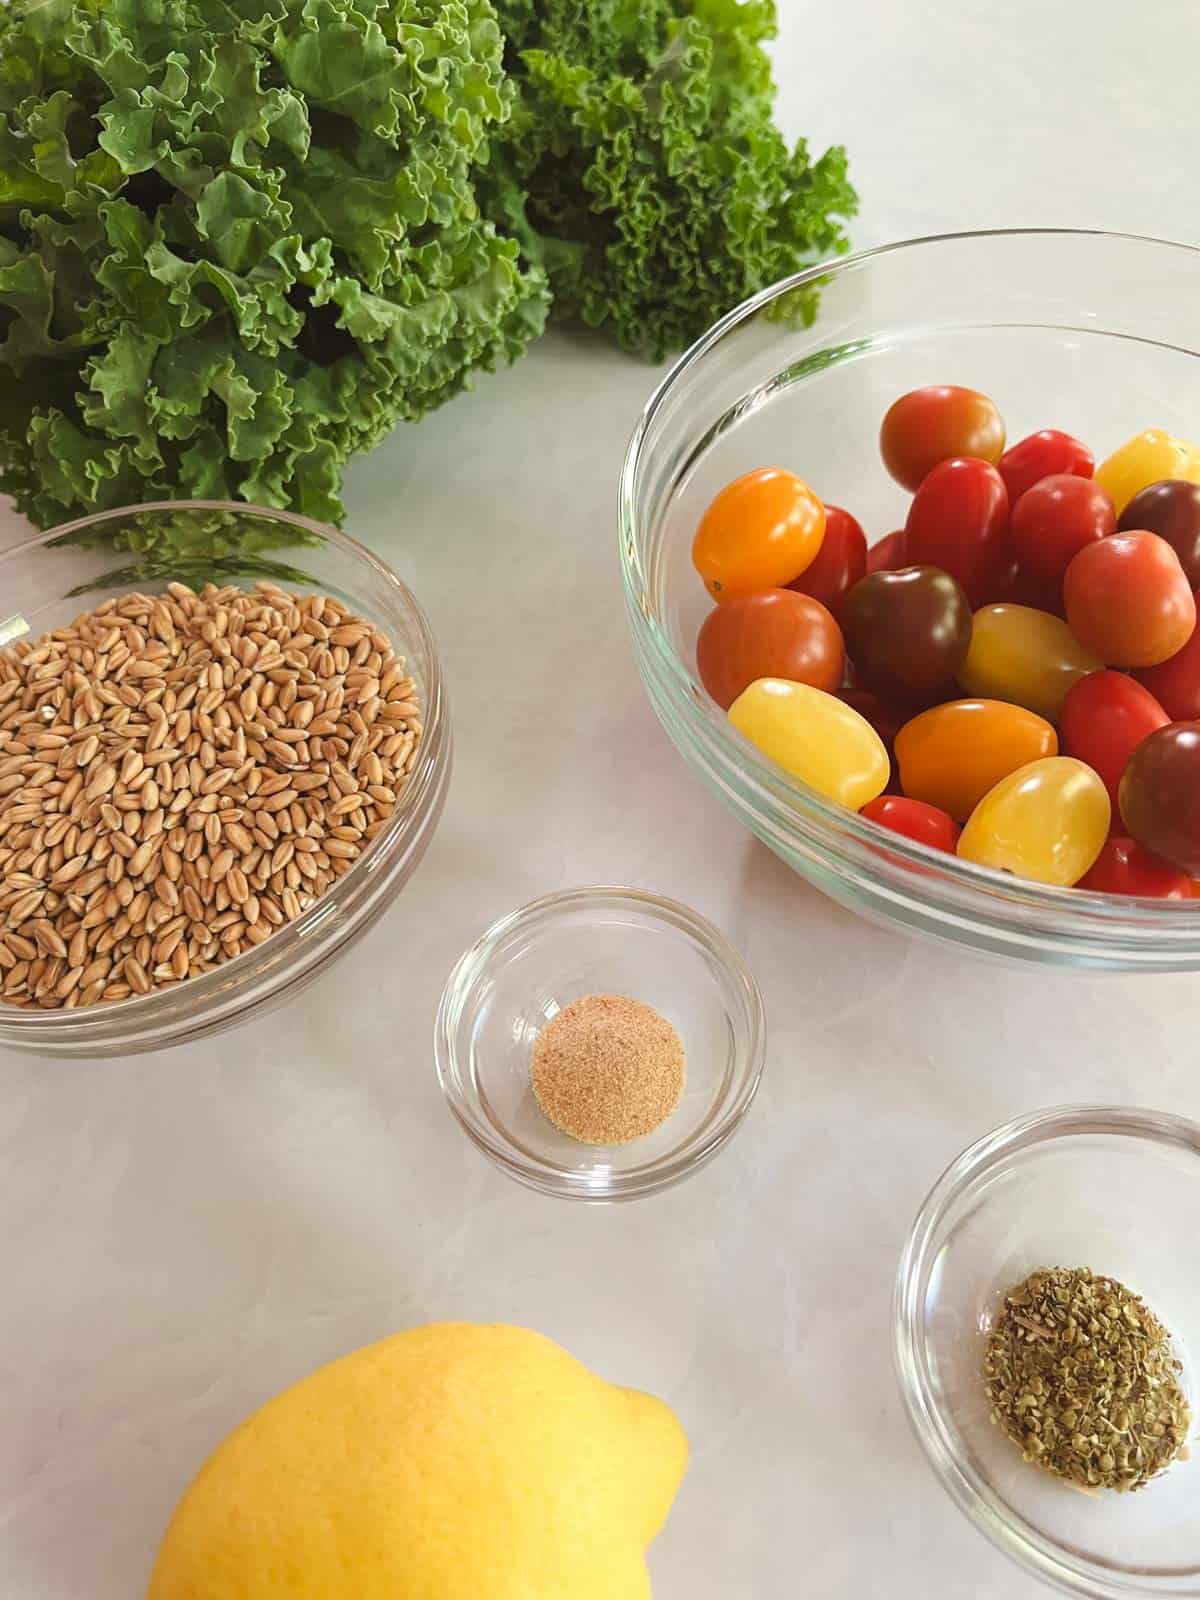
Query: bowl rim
[[776, 794], [471, 971], [172, 1015], [967, 1487]]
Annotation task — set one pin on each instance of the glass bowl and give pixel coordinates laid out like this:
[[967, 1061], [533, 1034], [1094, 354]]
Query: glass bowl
[[1104, 1187], [1095, 333], [534, 961], [46, 582]]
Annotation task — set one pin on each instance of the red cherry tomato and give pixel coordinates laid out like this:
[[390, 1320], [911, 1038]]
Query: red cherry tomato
[[840, 562], [958, 521], [888, 555], [1104, 718], [775, 634], [933, 424], [1053, 521], [1020, 587], [887, 720], [1041, 455], [1175, 682], [914, 819], [1128, 600], [1123, 867]]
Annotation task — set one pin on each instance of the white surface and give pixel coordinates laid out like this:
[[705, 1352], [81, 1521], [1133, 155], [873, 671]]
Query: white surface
[[185, 1234]]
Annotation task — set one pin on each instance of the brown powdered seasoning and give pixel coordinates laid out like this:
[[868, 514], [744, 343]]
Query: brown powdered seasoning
[[607, 1069]]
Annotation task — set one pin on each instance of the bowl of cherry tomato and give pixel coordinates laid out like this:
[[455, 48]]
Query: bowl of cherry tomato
[[915, 588]]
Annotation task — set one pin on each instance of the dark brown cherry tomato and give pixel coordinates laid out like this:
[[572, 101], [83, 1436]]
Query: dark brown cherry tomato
[[1040, 456], [888, 555], [1053, 521], [907, 632], [887, 720], [1171, 509], [1123, 867], [958, 521], [1024, 588], [840, 562], [914, 819], [1175, 682], [1128, 600], [774, 634], [933, 424], [1104, 718], [1160, 795]]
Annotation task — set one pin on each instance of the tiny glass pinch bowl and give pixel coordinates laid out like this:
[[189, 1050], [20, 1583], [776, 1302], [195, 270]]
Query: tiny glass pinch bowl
[[1113, 1189], [48, 581], [533, 962]]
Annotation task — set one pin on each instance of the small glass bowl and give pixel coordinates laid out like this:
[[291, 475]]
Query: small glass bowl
[[1109, 1188], [46, 582], [532, 963]]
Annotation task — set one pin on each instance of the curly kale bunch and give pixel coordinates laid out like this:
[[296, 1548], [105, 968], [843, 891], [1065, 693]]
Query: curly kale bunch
[[241, 239], [643, 169]]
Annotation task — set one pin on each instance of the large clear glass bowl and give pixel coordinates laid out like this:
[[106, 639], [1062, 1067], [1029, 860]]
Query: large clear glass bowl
[[1095, 333], [46, 582], [1105, 1187]]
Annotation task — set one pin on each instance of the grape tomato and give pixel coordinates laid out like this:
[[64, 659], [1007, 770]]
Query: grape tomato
[[1042, 455], [953, 754], [1104, 718], [1145, 459], [914, 819], [1175, 682], [1055, 519], [839, 563], [816, 737], [760, 532], [773, 634], [907, 632], [888, 555], [958, 521], [1160, 795], [1170, 509], [1128, 601], [930, 425], [1123, 867], [1047, 821], [1026, 656]]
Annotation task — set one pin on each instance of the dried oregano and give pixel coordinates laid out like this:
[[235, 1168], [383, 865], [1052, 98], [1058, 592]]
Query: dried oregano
[[1081, 1377]]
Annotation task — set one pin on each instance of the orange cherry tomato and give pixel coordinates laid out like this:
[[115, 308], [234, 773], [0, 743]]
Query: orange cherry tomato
[[952, 755], [761, 531], [932, 424], [775, 634], [1128, 600]]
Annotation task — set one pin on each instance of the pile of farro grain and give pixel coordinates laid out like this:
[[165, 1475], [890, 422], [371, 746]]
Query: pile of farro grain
[[180, 775]]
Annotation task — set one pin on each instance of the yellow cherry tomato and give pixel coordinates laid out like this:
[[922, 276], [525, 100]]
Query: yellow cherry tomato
[[953, 754], [761, 531], [1147, 458], [816, 737], [1047, 821], [1026, 656]]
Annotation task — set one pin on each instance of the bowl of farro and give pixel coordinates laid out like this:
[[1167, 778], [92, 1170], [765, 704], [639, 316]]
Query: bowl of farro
[[224, 747]]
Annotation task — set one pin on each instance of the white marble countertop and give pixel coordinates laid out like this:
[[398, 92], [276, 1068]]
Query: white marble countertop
[[185, 1234]]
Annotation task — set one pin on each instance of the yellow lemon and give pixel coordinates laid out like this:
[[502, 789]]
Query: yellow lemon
[[454, 1462]]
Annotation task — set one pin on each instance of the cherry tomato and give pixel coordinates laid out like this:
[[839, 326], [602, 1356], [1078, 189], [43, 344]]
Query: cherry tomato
[[761, 531], [907, 632], [1170, 509], [953, 754], [774, 634], [888, 555], [1128, 600], [840, 562], [914, 819], [1047, 821], [1175, 682], [958, 522], [1054, 520], [1025, 588], [887, 720], [814, 736], [1026, 656], [1160, 795], [933, 424], [1145, 459], [1043, 455], [1123, 867], [1104, 718]]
